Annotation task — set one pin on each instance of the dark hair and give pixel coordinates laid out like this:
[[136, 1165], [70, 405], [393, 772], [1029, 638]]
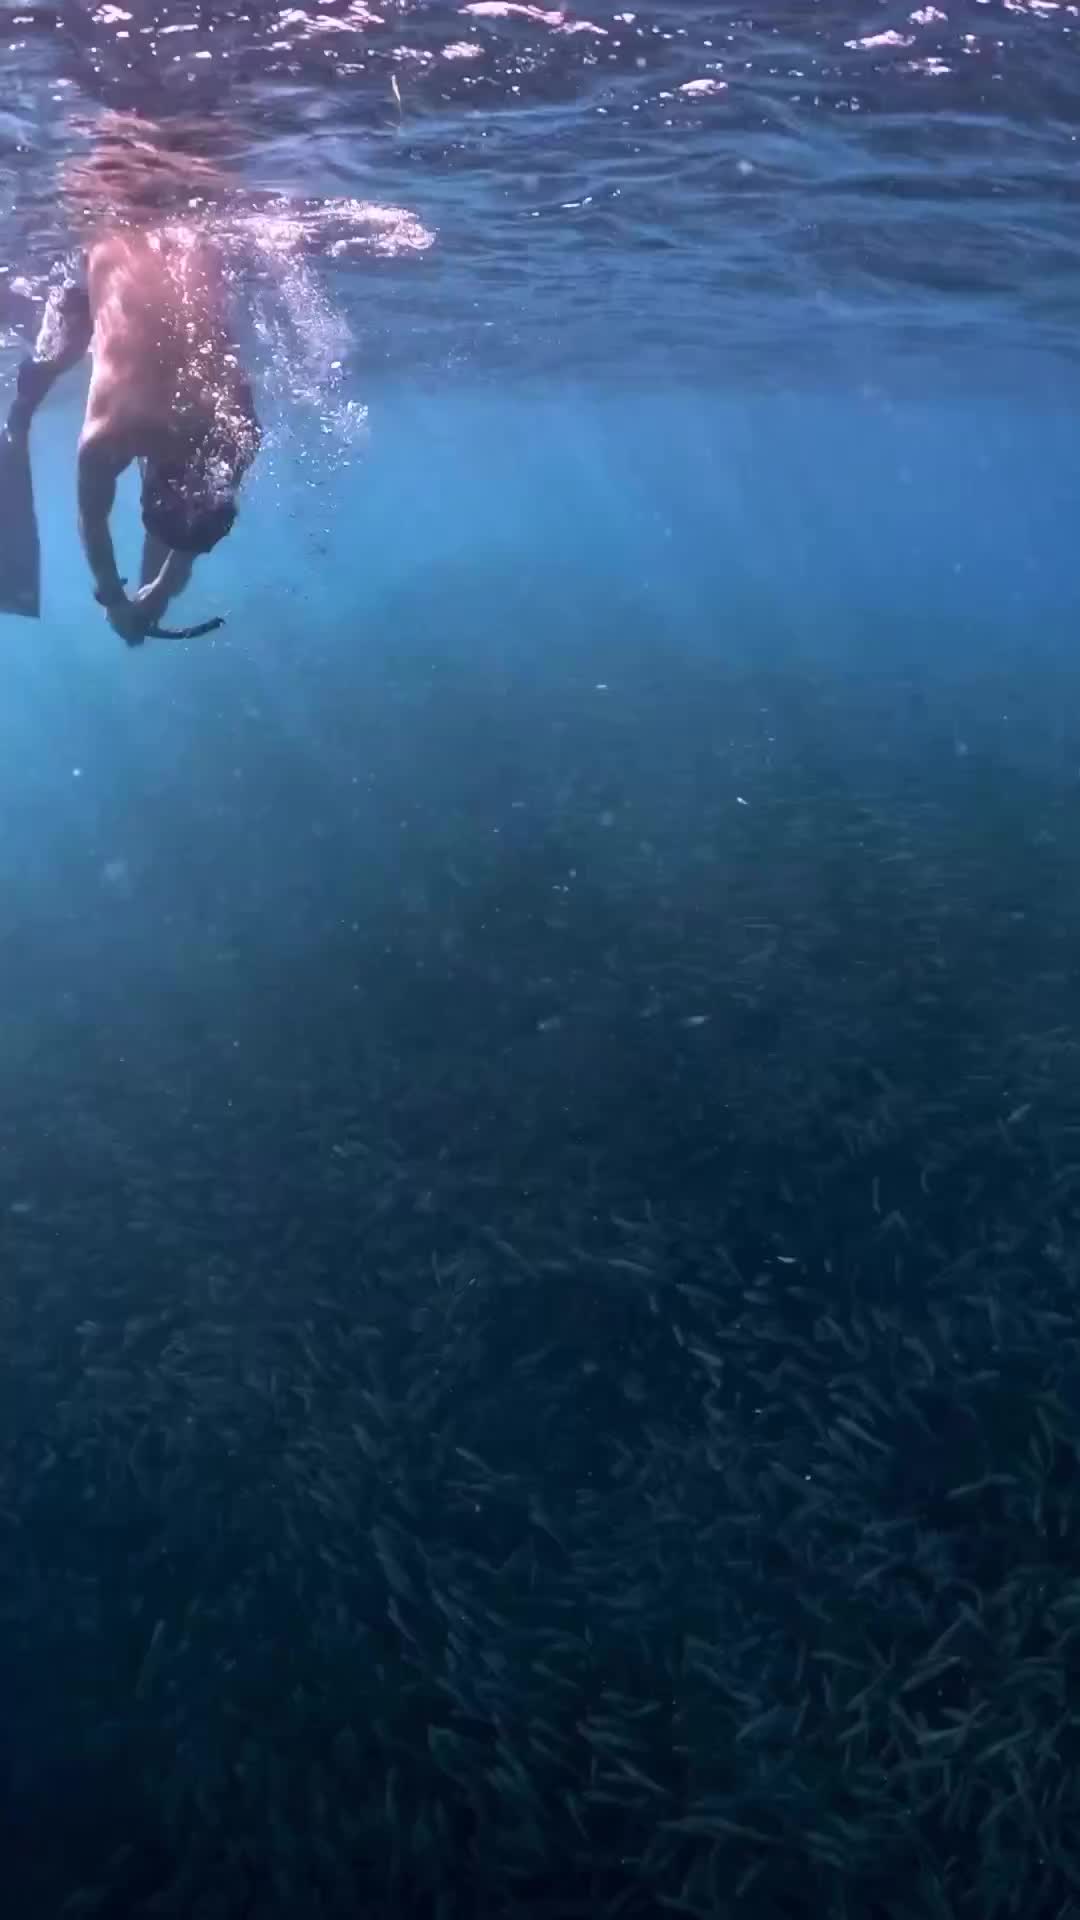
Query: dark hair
[[183, 514]]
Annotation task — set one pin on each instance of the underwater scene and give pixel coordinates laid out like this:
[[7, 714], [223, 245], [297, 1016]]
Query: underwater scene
[[540, 960]]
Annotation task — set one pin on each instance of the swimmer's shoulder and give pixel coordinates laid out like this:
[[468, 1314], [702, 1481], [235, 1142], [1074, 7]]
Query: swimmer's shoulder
[[106, 253], [110, 440]]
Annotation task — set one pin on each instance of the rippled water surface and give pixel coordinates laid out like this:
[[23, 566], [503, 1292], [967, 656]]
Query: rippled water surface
[[686, 186]]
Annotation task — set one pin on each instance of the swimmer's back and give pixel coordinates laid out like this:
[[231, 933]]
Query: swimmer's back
[[162, 344]]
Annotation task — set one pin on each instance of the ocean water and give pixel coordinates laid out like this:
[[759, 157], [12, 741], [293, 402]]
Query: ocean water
[[539, 1074]]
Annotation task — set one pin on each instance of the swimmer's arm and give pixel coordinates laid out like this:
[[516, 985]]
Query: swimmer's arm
[[172, 577], [99, 468]]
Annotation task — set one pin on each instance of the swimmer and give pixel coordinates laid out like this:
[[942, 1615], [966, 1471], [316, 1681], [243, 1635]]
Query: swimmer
[[167, 391]]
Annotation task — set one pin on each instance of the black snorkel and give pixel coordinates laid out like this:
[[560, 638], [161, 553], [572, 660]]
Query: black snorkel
[[180, 633], [167, 633]]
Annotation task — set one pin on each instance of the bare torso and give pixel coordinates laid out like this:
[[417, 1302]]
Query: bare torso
[[166, 372]]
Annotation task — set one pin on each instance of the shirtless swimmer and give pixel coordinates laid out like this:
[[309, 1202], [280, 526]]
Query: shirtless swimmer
[[167, 390]]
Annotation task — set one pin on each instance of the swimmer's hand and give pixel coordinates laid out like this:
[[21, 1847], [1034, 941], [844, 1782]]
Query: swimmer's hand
[[138, 619], [134, 618], [150, 602], [129, 620]]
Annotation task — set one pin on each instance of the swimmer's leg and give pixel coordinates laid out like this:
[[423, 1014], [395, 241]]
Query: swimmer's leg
[[64, 337]]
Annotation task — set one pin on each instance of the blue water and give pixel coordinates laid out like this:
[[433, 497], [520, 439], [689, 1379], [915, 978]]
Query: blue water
[[538, 1089]]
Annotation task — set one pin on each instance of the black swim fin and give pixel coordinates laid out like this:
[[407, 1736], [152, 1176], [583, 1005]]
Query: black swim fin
[[20, 548]]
